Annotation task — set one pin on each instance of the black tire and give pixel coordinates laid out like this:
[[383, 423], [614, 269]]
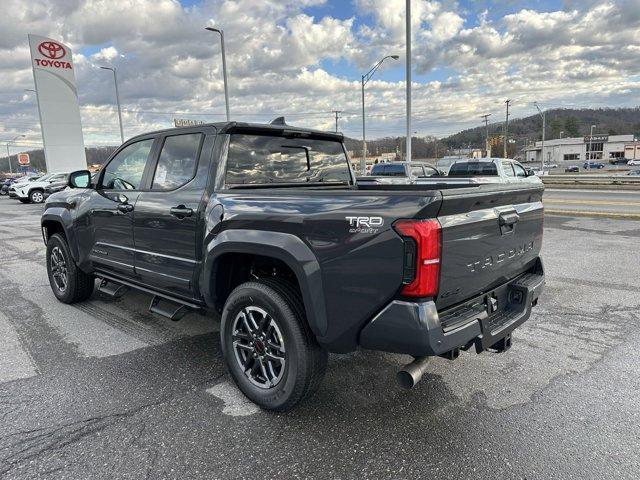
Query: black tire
[[305, 361], [79, 285], [36, 196]]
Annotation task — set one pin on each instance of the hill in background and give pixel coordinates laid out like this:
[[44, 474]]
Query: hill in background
[[573, 122]]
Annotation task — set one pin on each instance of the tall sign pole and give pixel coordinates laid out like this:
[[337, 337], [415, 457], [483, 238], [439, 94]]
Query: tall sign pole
[[408, 53]]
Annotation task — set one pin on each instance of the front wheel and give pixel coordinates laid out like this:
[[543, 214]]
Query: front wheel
[[68, 282], [36, 196], [269, 349]]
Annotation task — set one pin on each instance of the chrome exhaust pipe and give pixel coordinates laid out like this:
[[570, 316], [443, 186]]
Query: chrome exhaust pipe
[[412, 372]]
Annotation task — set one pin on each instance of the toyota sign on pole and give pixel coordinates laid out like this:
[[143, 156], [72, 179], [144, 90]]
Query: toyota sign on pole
[[55, 80]]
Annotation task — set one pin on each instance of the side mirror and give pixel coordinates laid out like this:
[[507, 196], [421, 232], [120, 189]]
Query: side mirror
[[79, 179]]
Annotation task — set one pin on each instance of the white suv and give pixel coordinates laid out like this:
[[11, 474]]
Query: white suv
[[34, 191]]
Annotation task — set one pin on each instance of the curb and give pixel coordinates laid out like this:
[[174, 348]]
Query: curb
[[577, 213]]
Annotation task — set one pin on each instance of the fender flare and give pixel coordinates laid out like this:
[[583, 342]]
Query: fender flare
[[285, 247], [62, 217]]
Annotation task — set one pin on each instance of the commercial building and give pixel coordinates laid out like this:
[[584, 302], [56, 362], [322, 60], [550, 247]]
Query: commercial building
[[578, 149]]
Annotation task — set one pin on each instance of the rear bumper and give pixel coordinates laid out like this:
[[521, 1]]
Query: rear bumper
[[418, 329]]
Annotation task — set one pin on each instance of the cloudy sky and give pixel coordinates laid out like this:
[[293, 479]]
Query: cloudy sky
[[304, 58]]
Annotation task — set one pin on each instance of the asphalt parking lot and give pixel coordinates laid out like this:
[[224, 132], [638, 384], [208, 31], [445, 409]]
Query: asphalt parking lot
[[105, 389]]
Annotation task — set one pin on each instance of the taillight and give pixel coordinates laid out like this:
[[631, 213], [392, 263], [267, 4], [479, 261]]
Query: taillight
[[423, 246]]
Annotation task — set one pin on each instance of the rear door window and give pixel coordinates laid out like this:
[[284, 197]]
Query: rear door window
[[178, 161], [508, 169], [417, 171], [263, 159]]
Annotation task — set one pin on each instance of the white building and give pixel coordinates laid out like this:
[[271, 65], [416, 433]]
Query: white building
[[602, 148]]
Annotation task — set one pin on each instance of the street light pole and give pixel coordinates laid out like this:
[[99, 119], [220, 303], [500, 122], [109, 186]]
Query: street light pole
[[544, 124], [9, 154], [365, 79], [408, 75], [506, 127], [115, 81], [224, 68]]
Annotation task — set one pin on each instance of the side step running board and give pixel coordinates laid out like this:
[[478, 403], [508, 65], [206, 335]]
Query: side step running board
[[172, 310], [112, 289]]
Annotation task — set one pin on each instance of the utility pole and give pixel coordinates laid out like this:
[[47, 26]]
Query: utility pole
[[408, 61], [337, 112], [486, 132], [544, 129], [506, 128], [365, 78]]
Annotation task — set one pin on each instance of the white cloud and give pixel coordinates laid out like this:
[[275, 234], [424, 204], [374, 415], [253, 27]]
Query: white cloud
[[277, 54]]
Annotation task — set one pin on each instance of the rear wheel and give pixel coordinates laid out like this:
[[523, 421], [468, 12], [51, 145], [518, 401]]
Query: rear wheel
[[36, 196], [270, 351], [68, 282]]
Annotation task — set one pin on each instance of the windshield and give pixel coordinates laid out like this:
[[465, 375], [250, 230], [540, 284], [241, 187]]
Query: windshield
[[473, 169], [263, 159]]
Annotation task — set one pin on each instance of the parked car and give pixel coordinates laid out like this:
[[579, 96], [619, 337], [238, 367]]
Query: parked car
[[634, 173], [404, 173], [550, 165], [618, 161], [267, 225], [33, 192], [61, 185], [593, 165], [6, 187], [493, 170], [633, 163], [572, 169]]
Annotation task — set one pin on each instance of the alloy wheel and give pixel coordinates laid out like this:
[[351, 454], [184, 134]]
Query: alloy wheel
[[37, 197], [258, 346], [59, 269]]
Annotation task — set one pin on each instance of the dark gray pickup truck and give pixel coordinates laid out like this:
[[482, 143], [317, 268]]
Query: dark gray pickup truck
[[267, 225]]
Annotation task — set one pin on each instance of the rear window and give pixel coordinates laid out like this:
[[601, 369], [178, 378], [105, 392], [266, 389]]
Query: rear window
[[473, 169], [262, 159], [382, 170]]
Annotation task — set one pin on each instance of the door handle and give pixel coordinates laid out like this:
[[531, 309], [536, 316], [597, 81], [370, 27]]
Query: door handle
[[507, 219], [125, 207], [181, 211]]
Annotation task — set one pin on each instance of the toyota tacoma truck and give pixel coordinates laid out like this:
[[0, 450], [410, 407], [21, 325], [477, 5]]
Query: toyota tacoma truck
[[267, 225]]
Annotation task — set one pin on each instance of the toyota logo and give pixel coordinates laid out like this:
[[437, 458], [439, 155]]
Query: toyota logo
[[52, 50]]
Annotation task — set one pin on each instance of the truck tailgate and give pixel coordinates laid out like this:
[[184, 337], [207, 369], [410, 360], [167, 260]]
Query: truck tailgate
[[489, 236]]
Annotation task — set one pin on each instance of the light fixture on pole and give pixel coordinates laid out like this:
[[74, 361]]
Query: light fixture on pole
[[8, 154], [544, 125], [224, 68], [365, 79], [115, 81]]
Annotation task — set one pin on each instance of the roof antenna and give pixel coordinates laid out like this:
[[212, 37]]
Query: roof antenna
[[278, 121]]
